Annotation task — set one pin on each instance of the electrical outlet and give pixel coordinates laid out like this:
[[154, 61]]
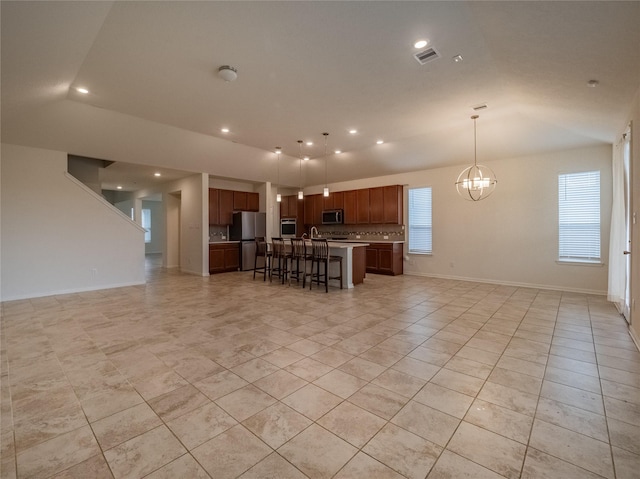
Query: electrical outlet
[[357, 236], [385, 237]]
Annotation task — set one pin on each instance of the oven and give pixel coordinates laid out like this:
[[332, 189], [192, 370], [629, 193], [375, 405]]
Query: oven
[[288, 227]]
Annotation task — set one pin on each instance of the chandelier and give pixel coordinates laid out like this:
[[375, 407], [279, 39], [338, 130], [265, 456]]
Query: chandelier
[[476, 182]]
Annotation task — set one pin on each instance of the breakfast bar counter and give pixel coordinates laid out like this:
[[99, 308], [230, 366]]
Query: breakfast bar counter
[[354, 262]]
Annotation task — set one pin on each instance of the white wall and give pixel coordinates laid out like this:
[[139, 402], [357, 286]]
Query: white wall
[[57, 235], [510, 237]]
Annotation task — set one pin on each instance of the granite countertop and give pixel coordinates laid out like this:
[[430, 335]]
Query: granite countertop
[[223, 242], [368, 241]]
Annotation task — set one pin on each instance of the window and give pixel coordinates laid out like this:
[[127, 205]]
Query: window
[[146, 224], [579, 217], [420, 233]]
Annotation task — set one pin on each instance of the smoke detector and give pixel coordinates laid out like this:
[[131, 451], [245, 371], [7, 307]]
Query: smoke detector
[[227, 73]]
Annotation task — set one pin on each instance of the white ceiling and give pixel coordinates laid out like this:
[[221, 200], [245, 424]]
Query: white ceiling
[[308, 67]]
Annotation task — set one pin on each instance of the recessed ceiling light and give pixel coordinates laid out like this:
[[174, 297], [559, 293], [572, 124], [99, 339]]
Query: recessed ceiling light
[[593, 83], [458, 58], [337, 152], [306, 158], [84, 91], [157, 173], [421, 43], [309, 143], [224, 130], [353, 132], [118, 187], [379, 142]]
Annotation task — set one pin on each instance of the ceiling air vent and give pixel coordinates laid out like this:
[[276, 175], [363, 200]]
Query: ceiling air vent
[[426, 55]]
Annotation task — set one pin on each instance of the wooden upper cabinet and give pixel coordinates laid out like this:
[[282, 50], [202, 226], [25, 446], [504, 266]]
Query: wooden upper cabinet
[[362, 206], [289, 206], [222, 204], [225, 206], [393, 201], [253, 201], [308, 209], [240, 201], [327, 202], [317, 209], [376, 205], [214, 214], [292, 202], [338, 200], [349, 206], [284, 207]]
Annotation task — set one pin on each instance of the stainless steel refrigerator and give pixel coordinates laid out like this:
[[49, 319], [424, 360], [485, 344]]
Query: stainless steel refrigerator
[[246, 226]]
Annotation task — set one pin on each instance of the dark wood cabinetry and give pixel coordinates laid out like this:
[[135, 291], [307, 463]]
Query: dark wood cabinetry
[[376, 205], [362, 207], [222, 204], [385, 258], [240, 201], [393, 201], [318, 204], [226, 207], [253, 202], [349, 207], [381, 205], [289, 206], [224, 257], [214, 211]]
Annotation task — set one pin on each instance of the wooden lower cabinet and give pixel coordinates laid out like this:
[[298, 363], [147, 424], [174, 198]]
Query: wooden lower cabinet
[[384, 258], [224, 257]]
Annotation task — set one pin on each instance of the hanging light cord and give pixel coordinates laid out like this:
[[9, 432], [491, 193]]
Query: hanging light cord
[[325, 159], [475, 141], [300, 155]]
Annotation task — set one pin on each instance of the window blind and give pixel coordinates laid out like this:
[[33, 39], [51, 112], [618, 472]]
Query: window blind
[[420, 226], [579, 216]]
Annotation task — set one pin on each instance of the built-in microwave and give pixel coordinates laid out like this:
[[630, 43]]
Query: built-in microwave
[[288, 228], [332, 217]]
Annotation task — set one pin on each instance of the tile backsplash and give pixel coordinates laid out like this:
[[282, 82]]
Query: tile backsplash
[[364, 232], [218, 233]]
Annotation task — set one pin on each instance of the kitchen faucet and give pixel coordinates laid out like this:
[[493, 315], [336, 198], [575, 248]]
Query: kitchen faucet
[[313, 228]]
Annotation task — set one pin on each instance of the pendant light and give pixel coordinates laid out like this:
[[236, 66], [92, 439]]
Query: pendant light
[[325, 192], [278, 195], [300, 192], [476, 182]]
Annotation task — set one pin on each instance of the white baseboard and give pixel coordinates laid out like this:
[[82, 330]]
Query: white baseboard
[[71, 291], [635, 337], [509, 283]]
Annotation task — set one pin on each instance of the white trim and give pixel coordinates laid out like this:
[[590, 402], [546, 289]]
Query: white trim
[[509, 283], [101, 200], [573, 262], [635, 338], [73, 291]]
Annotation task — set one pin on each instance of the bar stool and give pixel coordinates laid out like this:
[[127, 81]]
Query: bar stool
[[299, 255], [320, 254], [262, 251], [279, 260]]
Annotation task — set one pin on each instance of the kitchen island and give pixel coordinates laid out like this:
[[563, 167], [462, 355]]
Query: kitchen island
[[353, 262]]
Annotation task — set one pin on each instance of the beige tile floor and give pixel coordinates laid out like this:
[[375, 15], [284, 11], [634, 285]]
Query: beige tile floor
[[225, 377]]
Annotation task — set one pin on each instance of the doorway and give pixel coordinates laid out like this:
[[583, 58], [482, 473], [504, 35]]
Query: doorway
[[173, 202]]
